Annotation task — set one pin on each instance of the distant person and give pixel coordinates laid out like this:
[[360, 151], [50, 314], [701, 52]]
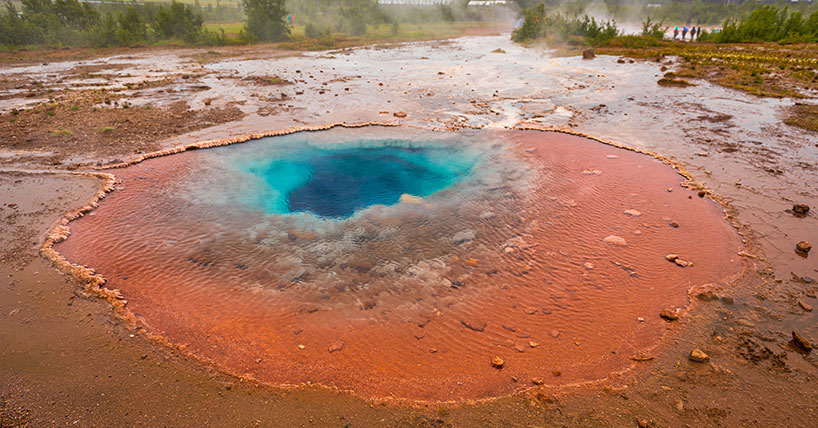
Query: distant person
[[684, 32], [698, 32], [675, 33], [692, 33]]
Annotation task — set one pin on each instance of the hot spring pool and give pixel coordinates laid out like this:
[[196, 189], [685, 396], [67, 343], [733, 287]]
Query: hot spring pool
[[335, 181], [397, 263]]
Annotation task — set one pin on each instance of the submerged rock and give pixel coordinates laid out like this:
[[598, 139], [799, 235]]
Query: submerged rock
[[474, 325], [698, 356], [335, 347], [463, 237], [615, 240]]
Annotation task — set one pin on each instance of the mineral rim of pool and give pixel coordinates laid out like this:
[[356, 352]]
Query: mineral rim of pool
[[398, 263]]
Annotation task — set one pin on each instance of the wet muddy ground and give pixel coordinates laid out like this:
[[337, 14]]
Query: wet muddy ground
[[67, 361]]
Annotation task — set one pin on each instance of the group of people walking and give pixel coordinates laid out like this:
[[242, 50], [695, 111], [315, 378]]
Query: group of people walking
[[695, 32]]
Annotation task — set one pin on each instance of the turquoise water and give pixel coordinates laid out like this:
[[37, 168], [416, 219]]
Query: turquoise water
[[338, 180]]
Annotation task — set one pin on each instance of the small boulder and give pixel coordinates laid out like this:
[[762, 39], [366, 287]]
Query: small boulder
[[633, 213], [400, 114], [671, 257], [801, 341], [588, 54], [497, 362], [800, 210], [805, 306], [698, 356], [803, 247], [669, 314]]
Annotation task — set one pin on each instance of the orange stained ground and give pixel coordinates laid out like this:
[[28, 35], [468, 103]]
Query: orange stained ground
[[558, 302]]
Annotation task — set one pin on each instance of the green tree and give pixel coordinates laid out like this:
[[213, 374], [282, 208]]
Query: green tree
[[266, 20], [132, 28], [177, 21]]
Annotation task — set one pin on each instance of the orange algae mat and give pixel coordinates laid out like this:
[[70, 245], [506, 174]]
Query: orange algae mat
[[549, 255]]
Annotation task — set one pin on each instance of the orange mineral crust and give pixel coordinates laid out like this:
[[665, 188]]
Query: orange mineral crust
[[548, 265]]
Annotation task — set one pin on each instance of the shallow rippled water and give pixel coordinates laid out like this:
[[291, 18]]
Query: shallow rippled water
[[545, 249]]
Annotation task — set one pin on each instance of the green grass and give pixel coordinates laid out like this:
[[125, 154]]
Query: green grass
[[61, 132], [803, 116]]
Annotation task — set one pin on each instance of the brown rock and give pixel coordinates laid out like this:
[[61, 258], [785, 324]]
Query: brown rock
[[800, 210], [801, 341], [642, 423], [497, 362], [669, 314], [588, 54], [803, 247], [671, 257], [805, 306], [399, 114], [537, 381], [698, 356]]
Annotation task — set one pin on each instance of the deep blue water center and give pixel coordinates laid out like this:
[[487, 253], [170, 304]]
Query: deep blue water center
[[336, 182]]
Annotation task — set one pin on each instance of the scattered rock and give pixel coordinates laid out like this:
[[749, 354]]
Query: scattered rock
[[589, 265], [537, 381], [669, 314], [803, 247], [463, 237], [497, 362], [533, 344], [399, 114], [588, 54], [615, 240], [698, 356], [642, 423], [530, 310], [800, 210], [683, 263], [674, 258], [335, 347], [633, 213], [801, 341], [554, 333], [474, 325], [805, 306]]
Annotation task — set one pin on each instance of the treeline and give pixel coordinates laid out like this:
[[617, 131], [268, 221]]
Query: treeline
[[768, 24], [71, 23], [539, 25], [354, 17]]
